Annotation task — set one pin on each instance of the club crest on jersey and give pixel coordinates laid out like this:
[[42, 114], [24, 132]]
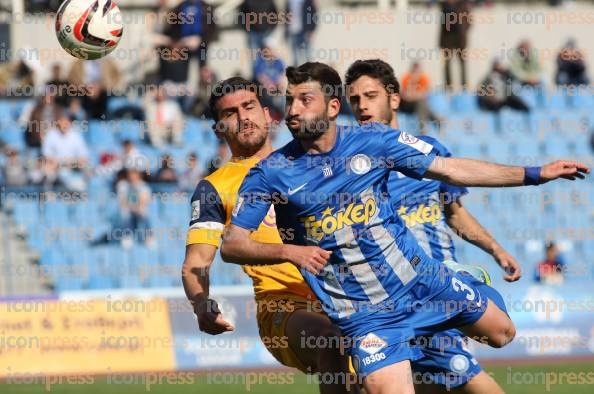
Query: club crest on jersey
[[195, 209], [372, 344], [360, 164], [414, 142]]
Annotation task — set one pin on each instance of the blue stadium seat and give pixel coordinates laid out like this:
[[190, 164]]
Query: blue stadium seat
[[101, 135], [464, 102], [100, 274], [127, 129], [12, 134], [439, 102]]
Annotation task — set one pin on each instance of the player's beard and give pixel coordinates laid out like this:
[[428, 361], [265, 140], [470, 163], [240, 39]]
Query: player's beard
[[255, 141], [310, 129]]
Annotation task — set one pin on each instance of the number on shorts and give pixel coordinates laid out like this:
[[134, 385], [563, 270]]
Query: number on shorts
[[458, 285]]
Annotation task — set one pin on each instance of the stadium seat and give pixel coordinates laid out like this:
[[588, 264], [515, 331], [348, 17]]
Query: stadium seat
[[101, 135], [439, 102], [127, 129], [464, 102]]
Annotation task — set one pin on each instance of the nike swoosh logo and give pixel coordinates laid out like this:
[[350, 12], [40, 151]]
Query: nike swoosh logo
[[293, 191]]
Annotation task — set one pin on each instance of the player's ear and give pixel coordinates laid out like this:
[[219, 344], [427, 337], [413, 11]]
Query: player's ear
[[333, 108], [267, 115], [218, 128], [394, 101]]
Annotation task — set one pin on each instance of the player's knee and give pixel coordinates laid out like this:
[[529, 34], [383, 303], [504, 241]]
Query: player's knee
[[504, 335]]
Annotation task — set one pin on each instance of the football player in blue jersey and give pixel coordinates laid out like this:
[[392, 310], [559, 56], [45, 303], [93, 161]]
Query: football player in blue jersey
[[427, 208], [329, 190]]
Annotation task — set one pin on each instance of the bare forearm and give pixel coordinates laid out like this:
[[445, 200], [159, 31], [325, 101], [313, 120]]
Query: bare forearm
[[196, 271], [469, 172], [196, 283], [250, 252], [469, 229]]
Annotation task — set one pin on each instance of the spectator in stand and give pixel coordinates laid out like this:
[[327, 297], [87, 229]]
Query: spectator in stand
[[13, 171], [134, 197], [524, 64], [571, 66], [103, 72], [300, 31], [198, 106], [66, 155], [203, 26], [269, 72], [550, 271], [59, 85], [95, 101], [16, 78], [164, 118], [455, 23], [75, 110], [188, 30], [259, 19], [525, 67], [192, 174], [415, 88], [219, 159], [166, 172], [94, 79], [38, 118], [36, 174], [131, 158], [495, 91]]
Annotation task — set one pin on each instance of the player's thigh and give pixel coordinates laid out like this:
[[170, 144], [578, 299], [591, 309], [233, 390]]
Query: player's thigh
[[392, 379], [483, 383], [309, 333], [494, 327]]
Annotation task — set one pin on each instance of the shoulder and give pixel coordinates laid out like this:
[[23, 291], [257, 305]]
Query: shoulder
[[206, 192], [280, 159], [439, 148]]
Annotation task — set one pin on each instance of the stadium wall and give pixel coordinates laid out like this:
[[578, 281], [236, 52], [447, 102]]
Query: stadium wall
[[128, 331]]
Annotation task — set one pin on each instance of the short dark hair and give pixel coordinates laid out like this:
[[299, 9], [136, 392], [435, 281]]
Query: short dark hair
[[322, 73], [374, 68], [229, 86]]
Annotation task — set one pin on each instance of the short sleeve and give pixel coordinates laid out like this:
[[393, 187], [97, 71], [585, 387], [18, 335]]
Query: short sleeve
[[407, 154], [208, 216], [253, 202]]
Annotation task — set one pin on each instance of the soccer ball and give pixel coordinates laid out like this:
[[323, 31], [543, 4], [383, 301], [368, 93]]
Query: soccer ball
[[89, 29]]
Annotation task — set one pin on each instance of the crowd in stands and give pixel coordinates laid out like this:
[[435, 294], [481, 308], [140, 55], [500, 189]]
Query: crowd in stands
[[56, 155]]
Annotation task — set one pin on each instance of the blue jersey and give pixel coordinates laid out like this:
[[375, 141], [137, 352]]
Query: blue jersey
[[419, 204], [339, 201]]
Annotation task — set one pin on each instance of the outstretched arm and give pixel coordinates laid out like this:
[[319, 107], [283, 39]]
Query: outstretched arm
[[239, 248], [469, 172], [469, 229]]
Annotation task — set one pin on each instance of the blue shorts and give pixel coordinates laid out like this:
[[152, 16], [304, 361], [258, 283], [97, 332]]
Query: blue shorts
[[439, 300], [446, 361]]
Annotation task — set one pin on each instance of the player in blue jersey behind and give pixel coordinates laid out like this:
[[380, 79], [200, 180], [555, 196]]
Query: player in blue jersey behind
[[329, 190], [427, 208]]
